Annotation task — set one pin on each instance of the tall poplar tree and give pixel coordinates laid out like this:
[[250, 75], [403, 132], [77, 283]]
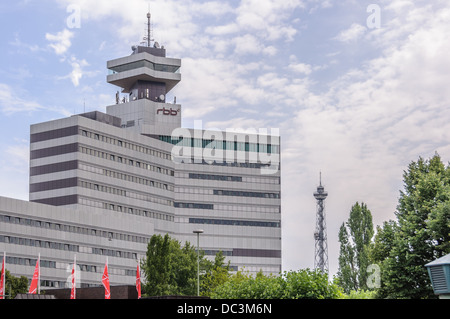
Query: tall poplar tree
[[169, 268], [355, 237]]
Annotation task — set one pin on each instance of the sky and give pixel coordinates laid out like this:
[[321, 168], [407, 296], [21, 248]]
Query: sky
[[358, 89]]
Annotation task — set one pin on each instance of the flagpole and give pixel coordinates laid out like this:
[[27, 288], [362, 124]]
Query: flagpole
[[39, 274], [2, 280], [105, 281], [74, 277], [4, 275], [138, 278]]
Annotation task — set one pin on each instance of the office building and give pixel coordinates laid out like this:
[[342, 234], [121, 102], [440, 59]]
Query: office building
[[101, 184]]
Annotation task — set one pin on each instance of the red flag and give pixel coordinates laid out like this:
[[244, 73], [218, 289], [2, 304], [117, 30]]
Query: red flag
[[73, 292], [105, 281], [138, 281], [35, 281], [2, 278]]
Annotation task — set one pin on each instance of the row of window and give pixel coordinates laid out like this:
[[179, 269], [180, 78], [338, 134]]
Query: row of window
[[193, 190], [30, 262], [213, 252], [65, 247], [249, 208], [163, 216], [125, 209], [245, 194], [125, 144], [125, 193], [205, 191], [222, 145], [241, 164], [230, 222], [215, 177], [123, 160], [12, 260], [38, 243], [48, 264], [193, 205], [72, 229], [126, 177], [144, 64], [244, 179]]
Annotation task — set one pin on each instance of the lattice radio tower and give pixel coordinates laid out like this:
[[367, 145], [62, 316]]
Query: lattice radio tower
[[320, 235]]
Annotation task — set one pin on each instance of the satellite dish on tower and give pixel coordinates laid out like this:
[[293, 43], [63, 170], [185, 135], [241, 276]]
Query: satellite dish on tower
[[162, 97]]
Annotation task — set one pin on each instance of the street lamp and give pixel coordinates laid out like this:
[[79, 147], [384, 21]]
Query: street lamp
[[198, 232]]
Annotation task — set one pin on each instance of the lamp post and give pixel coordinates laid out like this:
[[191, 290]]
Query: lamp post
[[198, 232]]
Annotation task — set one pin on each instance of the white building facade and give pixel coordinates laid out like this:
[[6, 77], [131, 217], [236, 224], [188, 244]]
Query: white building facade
[[101, 184]]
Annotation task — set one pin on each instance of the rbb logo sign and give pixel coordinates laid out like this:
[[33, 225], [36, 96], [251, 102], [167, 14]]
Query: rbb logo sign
[[170, 111]]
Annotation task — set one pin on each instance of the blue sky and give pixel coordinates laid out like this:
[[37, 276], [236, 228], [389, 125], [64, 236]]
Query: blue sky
[[357, 94]]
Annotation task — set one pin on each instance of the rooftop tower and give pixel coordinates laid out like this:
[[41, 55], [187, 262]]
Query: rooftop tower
[[145, 77]]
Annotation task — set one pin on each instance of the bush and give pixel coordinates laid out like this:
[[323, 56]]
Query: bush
[[308, 284], [302, 284], [360, 294]]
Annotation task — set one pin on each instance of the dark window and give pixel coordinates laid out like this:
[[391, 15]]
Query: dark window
[[58, 201], [53, 168], [49, 135], [215, 177], [52, 151], [193, 205], [57, 184], [246, 194], [234, 222]]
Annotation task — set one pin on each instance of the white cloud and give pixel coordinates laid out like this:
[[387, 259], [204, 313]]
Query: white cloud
[[77, 70], [270, 50], [207, 86], [61, 41], [176, 24], [210, 8], [222, 29], [18, 43], [353, 33], [19, 155], [16, 100], [240, 124], [247, 44], [301, 68], [11, 102]]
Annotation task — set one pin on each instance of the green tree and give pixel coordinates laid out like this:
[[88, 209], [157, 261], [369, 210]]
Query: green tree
[[355, 237], [383, 241], [15, 285], [420, 233], [215, 275], [169, 268]]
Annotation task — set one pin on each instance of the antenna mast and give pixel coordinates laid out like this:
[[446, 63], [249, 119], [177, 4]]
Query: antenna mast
[[320, 235], [148, 29], [148, 38]]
